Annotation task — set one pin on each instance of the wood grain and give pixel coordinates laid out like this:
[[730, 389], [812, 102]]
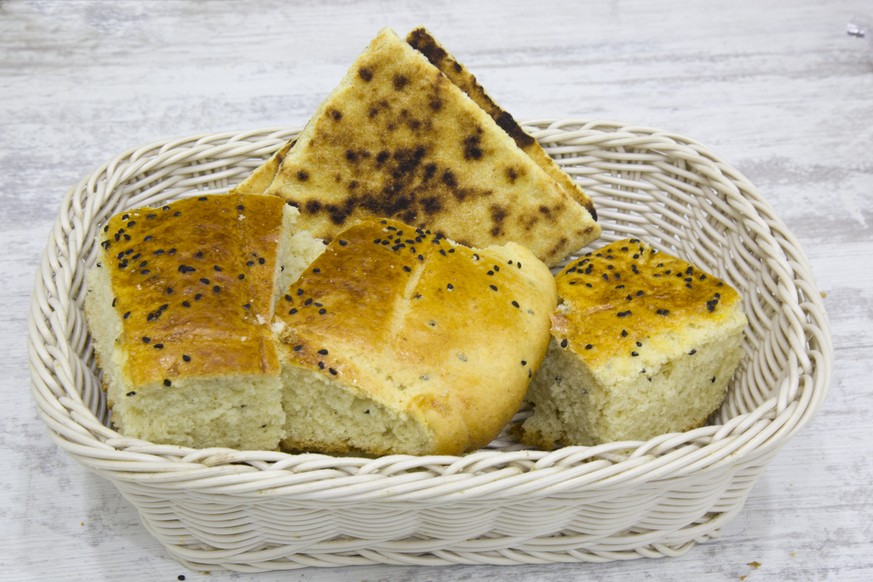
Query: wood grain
[[777, 88]]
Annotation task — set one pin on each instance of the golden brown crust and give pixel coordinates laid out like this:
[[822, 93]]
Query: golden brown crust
[[193, 285], [259, 180], [421, 40], [619, 297], [398, 139], [444, 333]]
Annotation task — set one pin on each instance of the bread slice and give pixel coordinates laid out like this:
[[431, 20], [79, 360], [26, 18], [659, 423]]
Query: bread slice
[[643, 344], [179, 309], [397, 340], [421, 40], [398, 139]]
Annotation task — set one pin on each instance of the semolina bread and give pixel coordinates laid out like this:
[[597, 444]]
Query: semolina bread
[[422, 41], [397, 340], [643, 344], [398, 139], [179, 307]]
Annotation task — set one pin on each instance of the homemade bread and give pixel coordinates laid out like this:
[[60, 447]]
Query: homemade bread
[[396, 340], [422, 41], [179, 308], [397, 138], [643, 344]]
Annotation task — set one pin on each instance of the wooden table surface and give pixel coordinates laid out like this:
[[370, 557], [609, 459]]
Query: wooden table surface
[[777, 88]]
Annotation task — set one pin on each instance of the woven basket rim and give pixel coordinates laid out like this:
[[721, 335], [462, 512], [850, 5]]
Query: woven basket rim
[[76, 428]]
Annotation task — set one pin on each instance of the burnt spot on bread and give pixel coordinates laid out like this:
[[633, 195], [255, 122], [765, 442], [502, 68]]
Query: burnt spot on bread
[[508, 124], [399, 82], [512, 174], [302, 175], [473, 147], [435, 104], [448, 178], [335, 114], [424, 43], [365, 73], [498, 216]]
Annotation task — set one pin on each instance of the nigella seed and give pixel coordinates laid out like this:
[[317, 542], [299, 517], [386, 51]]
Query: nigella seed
[[186, 357], [298, 347], [216, 289], [197, 297], [261, 260], [288, 297], [167, 382], [292, 311], [316, 270], [524, 362], [247, 306], [308, 301], [322, 352], [241, 276], [186, 304], [450, 286], [332, 371], [342, 242], [322, 311], [177, 213], [321, 365], [588, 346], [216, 268], [146, 339], [202, 198], [407, 268], [515, 303], [692, 352], [131, 393], [158, 346], [624, 333], [634, 354], [623, 313], [564, 343], [639, 344], [126, 314], [114, 301], [300, 291], [204, 280], [169, 290], [493, 287]]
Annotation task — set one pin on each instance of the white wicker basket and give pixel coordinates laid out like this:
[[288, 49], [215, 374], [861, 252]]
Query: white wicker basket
[[262, 510]]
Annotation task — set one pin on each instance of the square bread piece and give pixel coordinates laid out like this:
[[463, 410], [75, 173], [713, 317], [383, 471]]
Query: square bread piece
[[398, 139], [643, 344], [398, 341], [179, 307]]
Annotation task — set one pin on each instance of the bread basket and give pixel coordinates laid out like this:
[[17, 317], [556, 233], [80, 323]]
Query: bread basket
[[262, 510]]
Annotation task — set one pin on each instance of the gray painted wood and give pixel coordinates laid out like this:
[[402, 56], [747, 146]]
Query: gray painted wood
[[776, 88]]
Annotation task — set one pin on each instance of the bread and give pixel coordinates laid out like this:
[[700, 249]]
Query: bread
[[643, 344], [398, 139], [396, 340], [179, 309], [422, 41]]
